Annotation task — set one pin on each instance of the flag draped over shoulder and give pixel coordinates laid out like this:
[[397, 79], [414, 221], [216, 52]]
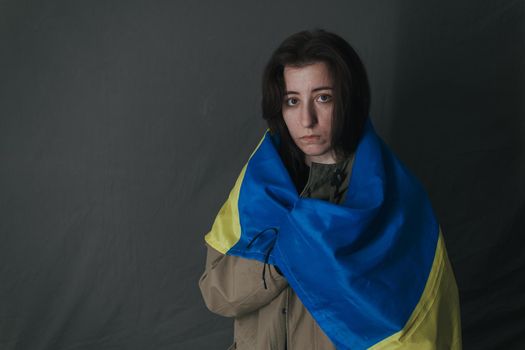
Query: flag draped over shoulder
[[372, 271]]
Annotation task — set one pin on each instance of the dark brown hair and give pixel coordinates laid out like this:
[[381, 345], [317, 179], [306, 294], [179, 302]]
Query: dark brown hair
[[351, 93]]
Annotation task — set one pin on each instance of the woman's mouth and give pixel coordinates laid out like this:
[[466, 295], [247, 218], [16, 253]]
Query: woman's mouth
[[310, 138]]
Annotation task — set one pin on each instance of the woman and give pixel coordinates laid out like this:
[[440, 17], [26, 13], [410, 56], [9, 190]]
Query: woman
[[355, 256]]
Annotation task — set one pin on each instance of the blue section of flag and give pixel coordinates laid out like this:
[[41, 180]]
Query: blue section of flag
[[360, 267]]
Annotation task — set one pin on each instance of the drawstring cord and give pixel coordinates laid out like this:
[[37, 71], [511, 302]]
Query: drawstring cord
[[267, 255]]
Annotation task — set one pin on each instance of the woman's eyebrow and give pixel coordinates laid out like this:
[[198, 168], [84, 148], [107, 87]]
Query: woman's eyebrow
[[323, 88], [314, 90]]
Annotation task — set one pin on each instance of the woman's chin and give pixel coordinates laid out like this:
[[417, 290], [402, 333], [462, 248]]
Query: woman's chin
[[322, 156]]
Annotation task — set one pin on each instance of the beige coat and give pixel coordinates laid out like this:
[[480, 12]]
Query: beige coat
[[273, 318]]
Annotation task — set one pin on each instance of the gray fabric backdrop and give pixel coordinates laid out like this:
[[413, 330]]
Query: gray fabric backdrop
[[123, 125]]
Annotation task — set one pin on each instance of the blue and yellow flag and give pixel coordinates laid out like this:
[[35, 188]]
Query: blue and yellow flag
[[372, 271]]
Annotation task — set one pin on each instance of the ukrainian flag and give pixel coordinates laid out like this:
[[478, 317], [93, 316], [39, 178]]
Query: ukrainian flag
[[372, 271]]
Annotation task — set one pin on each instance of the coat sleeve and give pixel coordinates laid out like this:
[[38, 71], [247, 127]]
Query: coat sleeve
[[232, 286]]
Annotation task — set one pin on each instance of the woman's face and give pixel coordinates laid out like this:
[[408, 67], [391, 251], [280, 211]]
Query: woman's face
[[307, 110]]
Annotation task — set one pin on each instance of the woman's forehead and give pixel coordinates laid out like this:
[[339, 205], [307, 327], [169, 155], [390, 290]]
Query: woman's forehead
[[308, 77]]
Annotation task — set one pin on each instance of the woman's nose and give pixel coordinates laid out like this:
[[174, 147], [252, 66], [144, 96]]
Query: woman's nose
[[308, 116]]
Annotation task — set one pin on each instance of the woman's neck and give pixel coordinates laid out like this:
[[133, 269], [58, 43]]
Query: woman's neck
[[326, 158]]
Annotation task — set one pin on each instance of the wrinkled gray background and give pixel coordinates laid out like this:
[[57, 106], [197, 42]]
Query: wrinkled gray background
[[123, 125]]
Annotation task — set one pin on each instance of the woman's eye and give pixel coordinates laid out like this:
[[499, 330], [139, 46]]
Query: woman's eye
[[324, 98], [292, 101]]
